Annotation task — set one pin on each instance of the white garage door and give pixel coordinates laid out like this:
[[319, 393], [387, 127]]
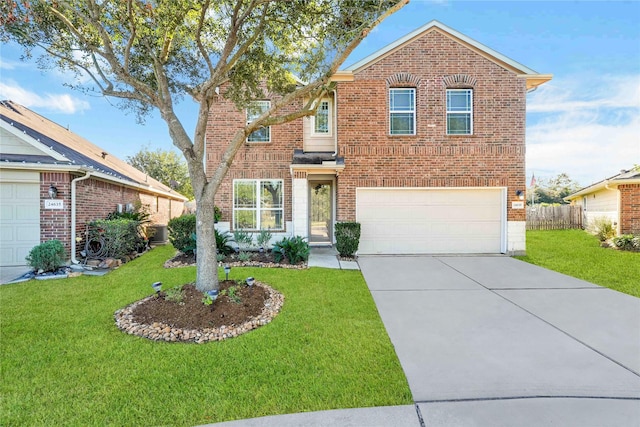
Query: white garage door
[[430, 221], [19, 219]]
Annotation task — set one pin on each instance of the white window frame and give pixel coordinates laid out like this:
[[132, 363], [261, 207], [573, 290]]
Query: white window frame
[[393, 110], [251, 116], [468, 111], [257, 185], [329, 132]]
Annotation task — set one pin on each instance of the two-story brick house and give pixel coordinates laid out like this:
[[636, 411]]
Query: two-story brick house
[[422, 142]]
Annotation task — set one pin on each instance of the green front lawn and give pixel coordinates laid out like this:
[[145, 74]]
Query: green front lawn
[[578, 254], [64, 362]]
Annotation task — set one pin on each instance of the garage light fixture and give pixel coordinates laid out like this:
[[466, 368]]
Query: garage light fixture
[[53, 191], [520, 194]]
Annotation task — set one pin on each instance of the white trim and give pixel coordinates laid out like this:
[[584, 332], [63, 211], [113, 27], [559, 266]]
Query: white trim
[[412, 111], [251, 120], [329, 120], [28, 139], [258, 209], [470, 111]]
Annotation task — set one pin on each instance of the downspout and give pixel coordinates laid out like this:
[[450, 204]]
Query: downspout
[[618, 206], [73, 216]]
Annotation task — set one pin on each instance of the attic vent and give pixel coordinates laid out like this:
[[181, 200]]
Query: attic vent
[[459, 80], [403, 79]]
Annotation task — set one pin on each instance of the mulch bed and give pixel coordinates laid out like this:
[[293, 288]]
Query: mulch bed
[[257, 259], [190, 320]]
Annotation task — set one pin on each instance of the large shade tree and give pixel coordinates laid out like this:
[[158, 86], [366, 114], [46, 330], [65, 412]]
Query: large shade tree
[[165, 166], [152, 53]]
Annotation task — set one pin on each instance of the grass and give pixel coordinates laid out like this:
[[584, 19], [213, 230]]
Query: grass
[[578, 254], [65, 363]]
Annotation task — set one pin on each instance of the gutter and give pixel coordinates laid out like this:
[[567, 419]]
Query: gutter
[[73, 215]]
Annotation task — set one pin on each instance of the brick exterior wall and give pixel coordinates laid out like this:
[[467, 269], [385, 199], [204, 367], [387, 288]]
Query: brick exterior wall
[[493, 156], [95, 199], [629, 208], [254, 160]]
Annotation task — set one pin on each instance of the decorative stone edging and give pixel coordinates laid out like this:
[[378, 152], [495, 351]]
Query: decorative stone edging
[[170, 264], [162, 332]]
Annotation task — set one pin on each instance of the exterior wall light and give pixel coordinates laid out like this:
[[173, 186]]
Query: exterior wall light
[[520, 194], [53, 191]]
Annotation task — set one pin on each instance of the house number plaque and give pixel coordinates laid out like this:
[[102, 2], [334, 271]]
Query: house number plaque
[[53, 204]]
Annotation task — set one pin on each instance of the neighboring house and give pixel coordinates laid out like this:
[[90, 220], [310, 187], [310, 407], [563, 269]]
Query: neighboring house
[[38, 156], [422, 142], [616, 198]]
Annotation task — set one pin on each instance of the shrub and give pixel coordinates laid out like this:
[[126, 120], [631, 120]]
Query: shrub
[[180, 230], [217, 214], [243, 238], [602, 227], [120, 236], [295, 249], [47, 256], [347, 238], [223, 242], [627, 242], [263, 239]]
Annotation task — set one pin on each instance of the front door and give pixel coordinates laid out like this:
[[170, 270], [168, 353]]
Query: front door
[[320, 212]]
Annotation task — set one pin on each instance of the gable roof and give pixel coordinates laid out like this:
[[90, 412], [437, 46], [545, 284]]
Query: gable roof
[[631, 176], [53, 147], [533, 78]]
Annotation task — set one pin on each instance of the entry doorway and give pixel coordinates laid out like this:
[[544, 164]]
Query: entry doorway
[[320, 212]]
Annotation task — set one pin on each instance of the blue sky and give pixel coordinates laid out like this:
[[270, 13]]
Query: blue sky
[[585, 122]]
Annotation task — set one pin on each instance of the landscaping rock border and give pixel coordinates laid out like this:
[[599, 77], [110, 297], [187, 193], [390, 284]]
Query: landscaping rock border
[[162, 332]]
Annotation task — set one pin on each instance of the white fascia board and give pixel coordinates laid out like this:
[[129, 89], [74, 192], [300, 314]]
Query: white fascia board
[[436, 24], [48, 151]]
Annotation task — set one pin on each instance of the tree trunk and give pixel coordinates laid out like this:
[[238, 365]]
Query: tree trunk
[[206, 261]]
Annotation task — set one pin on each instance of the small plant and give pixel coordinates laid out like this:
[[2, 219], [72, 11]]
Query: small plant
[[207, 300], [244, 256], [180, 231], [232, 293], [220, 257], [295, 249], [243, 238], [602, 227], [174, 294], [347, 238], [223, 242], [191, 247], [627, 242], [263, 239], [217, 214], [47, 256]]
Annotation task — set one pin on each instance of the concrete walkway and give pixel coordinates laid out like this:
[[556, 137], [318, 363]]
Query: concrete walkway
[[9, 274], [327, 257], [493, 341]]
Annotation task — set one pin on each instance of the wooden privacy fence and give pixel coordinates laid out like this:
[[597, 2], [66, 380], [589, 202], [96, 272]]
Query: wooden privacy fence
[[554, 217]]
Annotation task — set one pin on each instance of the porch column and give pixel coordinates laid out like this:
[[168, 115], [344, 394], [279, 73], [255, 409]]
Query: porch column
[[300, 204]]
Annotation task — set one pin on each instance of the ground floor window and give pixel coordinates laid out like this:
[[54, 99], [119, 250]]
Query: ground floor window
[[258, 204]]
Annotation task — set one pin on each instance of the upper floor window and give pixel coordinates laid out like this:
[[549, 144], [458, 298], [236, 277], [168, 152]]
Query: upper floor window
[[322, 119], [255, 110], [459, 111], [258, 204], [402, 111]]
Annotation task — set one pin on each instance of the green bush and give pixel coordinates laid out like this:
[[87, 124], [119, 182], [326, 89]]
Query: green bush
[[121, 236], [180, 230], [347, 238], [295, 249], [602, 227], [627, 242], [223, 242], [47, 256]]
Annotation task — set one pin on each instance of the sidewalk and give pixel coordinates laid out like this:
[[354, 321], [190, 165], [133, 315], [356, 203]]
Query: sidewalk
[[327, 257]]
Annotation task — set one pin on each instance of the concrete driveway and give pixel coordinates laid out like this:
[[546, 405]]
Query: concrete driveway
[[491, 340]]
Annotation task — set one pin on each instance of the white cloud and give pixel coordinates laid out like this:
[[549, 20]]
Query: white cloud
[[59, 103], [585, 126]]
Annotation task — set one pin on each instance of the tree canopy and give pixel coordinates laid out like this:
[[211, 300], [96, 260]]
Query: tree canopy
[[555, 189], [151, 54], [166, 166]]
